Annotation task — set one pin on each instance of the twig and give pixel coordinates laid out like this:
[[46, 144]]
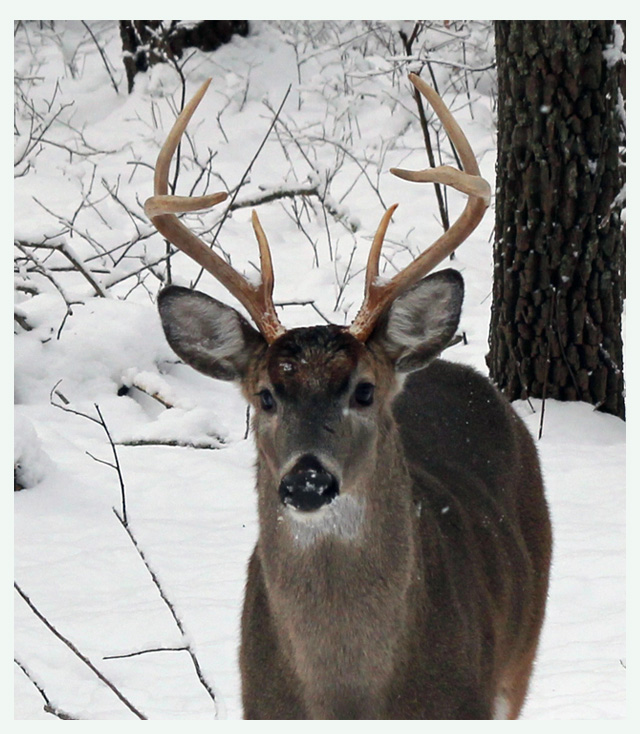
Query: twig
[[182, 648], [547, 364], [58, 394], [408, 42], [34, 141], [77, 653], [22, 321], [68, 252], [116, 466], [247, 425], [346, 278], [101, 422], [43, 270], [153, 395], [110, 282], [170, 607], [48, 706], [169, 442], [339, 146], [246, 173], [319, 312], [80, 267], [280, 304], [102, 55], [295, 216]]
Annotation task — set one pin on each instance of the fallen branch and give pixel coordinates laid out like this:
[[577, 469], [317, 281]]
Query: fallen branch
[[275, 194], [171, 442], [21, 320], [153, 395]]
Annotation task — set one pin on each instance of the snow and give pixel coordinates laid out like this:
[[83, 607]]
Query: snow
[[614, 52], [192, 510]]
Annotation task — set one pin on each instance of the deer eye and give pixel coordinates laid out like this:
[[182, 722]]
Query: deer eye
[[267, 401], [363, 394]]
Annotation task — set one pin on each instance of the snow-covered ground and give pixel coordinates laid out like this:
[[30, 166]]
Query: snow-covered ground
[[348, 117]]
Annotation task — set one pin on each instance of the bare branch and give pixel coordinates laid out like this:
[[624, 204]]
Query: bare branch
[[48, 706], [77, 653], [65, 403], [21, 319], [117, 464], [171, 442], [77, 263], [247, 171], [101, 422], [171, 608], [102, 56], [41, 268], [182, 648]]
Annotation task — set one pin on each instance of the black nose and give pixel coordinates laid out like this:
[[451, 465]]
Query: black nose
[[308, 486]]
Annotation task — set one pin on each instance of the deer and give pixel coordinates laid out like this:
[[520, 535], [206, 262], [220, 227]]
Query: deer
[[404, 542]]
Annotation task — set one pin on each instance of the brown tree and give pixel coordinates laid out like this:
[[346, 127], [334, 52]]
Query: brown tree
[[148, 42], [560, 240]]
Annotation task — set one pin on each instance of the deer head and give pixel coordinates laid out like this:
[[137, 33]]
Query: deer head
[[320, 393]]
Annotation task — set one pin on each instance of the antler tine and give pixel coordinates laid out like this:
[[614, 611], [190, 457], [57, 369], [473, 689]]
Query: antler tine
[[378, 297], [162, 209], [373, 262], [266, 265]]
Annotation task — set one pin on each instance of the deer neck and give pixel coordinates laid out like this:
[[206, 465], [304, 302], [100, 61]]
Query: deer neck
[[343, 593]]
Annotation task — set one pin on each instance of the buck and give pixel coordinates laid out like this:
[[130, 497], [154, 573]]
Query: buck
[[402, 562]]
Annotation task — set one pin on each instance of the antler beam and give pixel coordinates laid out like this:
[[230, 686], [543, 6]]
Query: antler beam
[[378, 297], [162, 209]]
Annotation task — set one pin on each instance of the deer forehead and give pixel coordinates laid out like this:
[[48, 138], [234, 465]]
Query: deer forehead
[[316, 358]]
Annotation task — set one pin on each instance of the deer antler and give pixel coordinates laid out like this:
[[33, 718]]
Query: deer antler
[[162, 208], [378, 297]]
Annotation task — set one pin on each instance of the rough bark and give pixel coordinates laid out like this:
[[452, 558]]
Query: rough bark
[[148, 42], [560, 242]]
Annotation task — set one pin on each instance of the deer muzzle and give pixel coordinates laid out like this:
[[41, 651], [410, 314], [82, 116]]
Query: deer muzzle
[[308, 486]]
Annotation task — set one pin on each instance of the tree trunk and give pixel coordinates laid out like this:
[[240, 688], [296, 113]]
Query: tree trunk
[[148, 42], [559, 252]]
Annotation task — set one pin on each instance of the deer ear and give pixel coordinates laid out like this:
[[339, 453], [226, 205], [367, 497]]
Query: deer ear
[[208, 335], [422, 321]]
